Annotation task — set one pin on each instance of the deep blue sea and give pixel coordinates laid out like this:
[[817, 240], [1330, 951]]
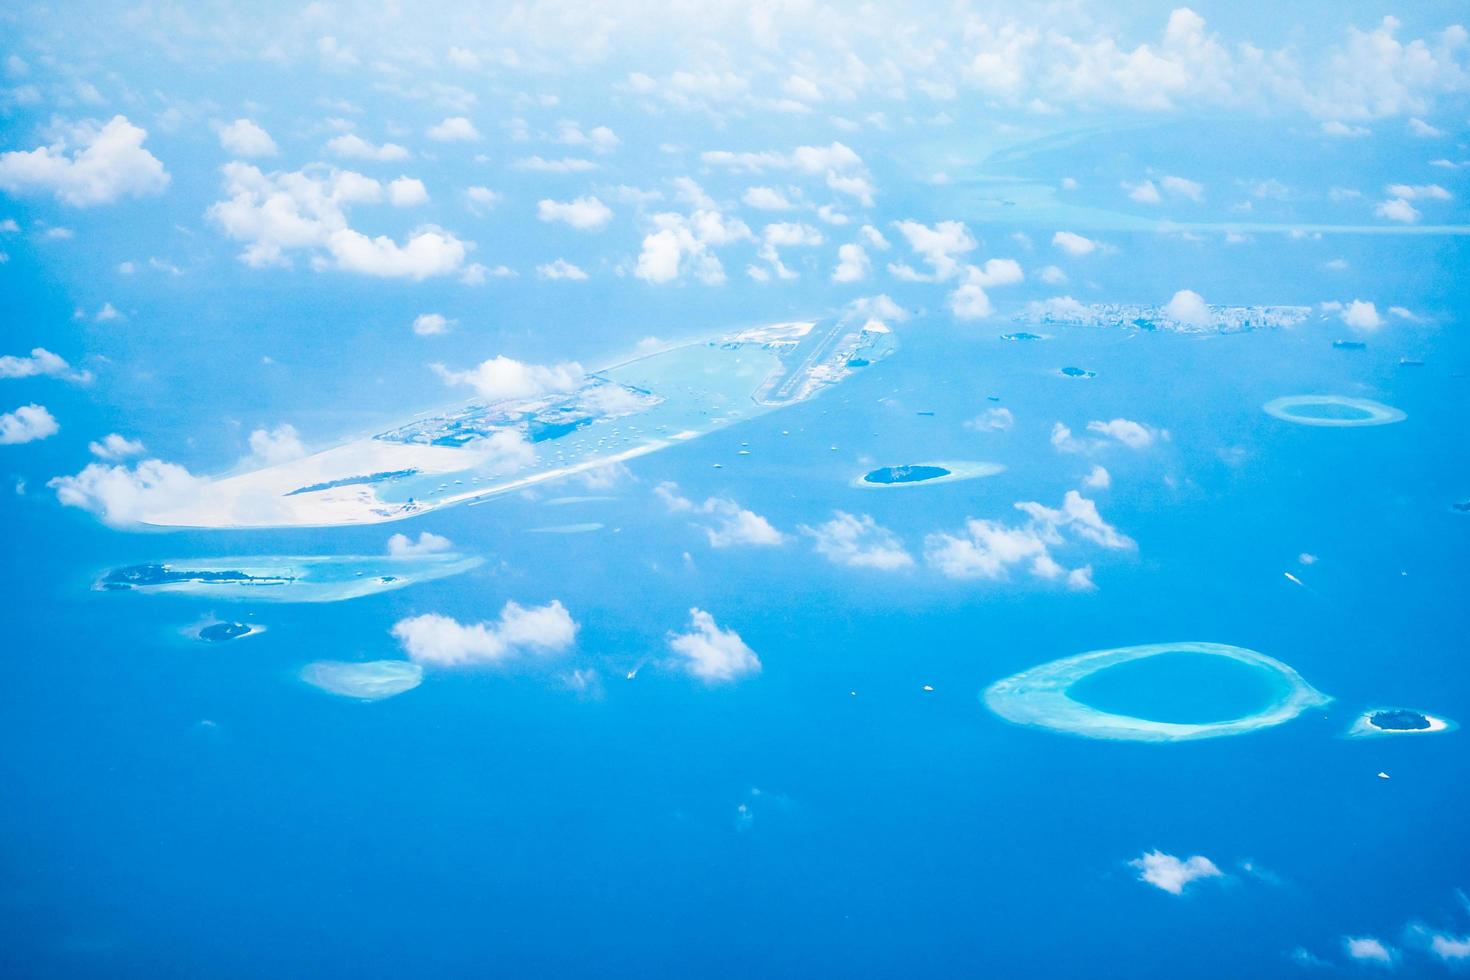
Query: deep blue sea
[[180, 809]]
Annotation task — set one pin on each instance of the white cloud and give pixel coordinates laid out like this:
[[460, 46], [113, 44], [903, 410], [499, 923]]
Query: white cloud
[[502, 378], [734, 525], [560, 269], [1362, 315], [1052, 275], [106, 163], [852, 264], [1144, 193], [565, 165], [599, 138], [987, 549], [1342, 130], [445, 642], [115, 447], [1073, 243], [1189, 308], [1397, 209], [279, 445], [766, 199], [992, 420], [453, 129], [584, 213], [406, 192], [712, 654], [428, 324], [1422, 129], [1181, 187], [939, 246], [1134, 435], [837, 157], [783, 234], [282, 212], [1450, 948], [41, 362], [245, 138], [1171, 874], [1419, 192], [28, 423], [353, 147], [122, 496], [481, 197], [1097, 479], [1367, 949], [681, 245], [858, 541], [402, 546]]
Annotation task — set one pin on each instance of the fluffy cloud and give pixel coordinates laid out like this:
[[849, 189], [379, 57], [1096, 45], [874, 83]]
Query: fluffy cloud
[[560, 269], [565, 165], [683, 244], [454, 129], [987, 549], [939, 246], [350, 146], [278, 445], [733, 525], [1171, 874], [1450, 948], [783, 234], [28, 423], [503, 377], [244, 138], [1134, 435], [115, 447], [1189, 308], [1367, 949], [1073, 243], [712, 654], [1097, 479], [104, 164], [599, 138], [852, 264], [282, 212], [1361, 315], [429, 324], [122, 496], [403, 546], [765, 199], [1397, 209], [445, 642], [585, 213], [406, 192], [992, 420], [41, 362], [858, 542]]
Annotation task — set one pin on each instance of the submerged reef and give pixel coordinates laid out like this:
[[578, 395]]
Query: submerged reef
[[1039, 697], [372, 680], [1336, 411], [315, 578]]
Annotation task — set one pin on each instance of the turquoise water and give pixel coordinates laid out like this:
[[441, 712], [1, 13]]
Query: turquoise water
[[1184, 688], [1329, 410]]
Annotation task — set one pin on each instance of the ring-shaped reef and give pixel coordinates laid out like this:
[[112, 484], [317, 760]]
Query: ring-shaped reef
[[372, 680], [1398, 721], [925, 474], [1335, 411], [1039, 697]]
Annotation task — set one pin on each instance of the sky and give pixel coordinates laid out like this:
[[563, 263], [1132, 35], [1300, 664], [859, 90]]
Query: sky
[[231, 238]]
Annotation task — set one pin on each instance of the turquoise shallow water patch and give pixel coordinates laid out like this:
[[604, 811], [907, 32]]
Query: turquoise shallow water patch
[[1188, 688], [1332, 411]]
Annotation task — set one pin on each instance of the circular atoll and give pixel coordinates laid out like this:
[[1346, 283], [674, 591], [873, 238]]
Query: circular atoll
[[925, 474], [1041, 696], [1398, 721], [1332, 410], [1077, 372]]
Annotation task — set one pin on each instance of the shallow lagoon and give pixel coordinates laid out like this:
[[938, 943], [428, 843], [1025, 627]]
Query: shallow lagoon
[[1187, 688]]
